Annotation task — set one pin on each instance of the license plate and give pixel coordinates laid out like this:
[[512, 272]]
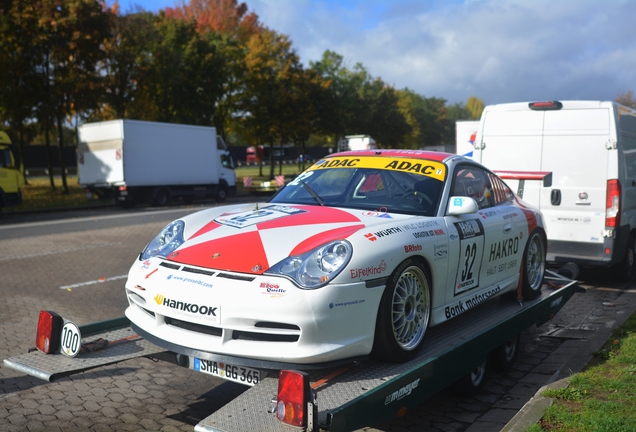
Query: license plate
[[239, 374]]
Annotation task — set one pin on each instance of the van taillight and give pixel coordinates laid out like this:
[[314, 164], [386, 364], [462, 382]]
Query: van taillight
[[294, 401], [613, 204], [545, 106], [47, 338]]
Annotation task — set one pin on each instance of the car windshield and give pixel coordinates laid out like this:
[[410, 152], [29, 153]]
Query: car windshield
[[371, 183]]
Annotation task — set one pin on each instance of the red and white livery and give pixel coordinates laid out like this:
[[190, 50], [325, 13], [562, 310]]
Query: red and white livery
[[357, 256]]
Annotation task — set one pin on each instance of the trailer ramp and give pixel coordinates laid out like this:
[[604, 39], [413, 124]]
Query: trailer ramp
[[50, 367]]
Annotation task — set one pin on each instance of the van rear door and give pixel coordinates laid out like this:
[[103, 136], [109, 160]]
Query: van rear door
[[575, 149]]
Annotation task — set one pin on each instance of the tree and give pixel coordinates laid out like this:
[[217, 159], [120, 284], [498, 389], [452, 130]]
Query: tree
[[428, 118], [475, 106], [270, 65], [227, 17], [627, 99], [127, 61], [185, 78], [72, 35]]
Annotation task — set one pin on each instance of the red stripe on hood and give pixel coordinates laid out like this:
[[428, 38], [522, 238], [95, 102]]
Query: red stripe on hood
[[313, 215], [242, 253], [207, 228], [324, 237]]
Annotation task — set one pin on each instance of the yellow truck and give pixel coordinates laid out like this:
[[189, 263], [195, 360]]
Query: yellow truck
[[11, 174]]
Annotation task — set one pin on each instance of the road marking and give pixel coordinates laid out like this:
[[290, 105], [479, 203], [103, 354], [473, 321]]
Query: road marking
[[93, 282], [55, 252]]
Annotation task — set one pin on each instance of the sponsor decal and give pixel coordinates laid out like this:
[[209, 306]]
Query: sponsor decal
[[253, 217], [273, 289], [378, 214], [192, 308], [348, 303], [403, 392], [429, 233], [188, 280], [420, 225], [503, 249], [368, 271], [494, 269], [453, 237], [458, 202], [216, 255], [382, 233], [509, 216], [469, 228], [144, 266], [440, 251], [463, 306], [488, 213], [412, 248], [427, 168], [556, 302]]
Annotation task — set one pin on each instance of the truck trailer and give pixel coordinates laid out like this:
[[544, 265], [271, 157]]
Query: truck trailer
[[138, 161]]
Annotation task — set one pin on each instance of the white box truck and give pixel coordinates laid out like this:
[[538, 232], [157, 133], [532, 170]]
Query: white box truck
[[465, 135], [139, 161], [590, 148]]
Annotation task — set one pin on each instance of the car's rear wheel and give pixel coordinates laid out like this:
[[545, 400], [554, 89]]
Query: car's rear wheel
[[404, 313], [533, 265], [626, 266]]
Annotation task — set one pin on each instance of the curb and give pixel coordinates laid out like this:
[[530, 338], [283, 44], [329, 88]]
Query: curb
[[532, 412]]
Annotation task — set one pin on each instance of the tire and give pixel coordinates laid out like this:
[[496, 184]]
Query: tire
[[404, 313], [533, 265], [471, 384], [221, 194], [161, 198], [626, 266], [504, 356]]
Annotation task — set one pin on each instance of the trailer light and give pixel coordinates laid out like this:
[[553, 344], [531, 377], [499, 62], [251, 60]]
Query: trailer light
[[47, 338], [294, 397], [613, 204], [545, 106], [121, 188], [608, 251]]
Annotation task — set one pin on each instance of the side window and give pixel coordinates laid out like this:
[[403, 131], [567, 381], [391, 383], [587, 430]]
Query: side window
[[226, 161], [474, 182], [501, 192], [5, 160]]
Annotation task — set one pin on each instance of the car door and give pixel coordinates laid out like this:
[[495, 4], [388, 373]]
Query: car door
[[473, 236]]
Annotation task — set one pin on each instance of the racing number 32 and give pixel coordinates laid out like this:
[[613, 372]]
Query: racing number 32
[[471, 235]]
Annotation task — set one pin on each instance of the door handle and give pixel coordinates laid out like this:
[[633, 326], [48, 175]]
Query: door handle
[[507, 228]]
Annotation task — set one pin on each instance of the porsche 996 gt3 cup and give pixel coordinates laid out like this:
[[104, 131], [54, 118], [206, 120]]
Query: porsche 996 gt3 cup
[[357, 256]]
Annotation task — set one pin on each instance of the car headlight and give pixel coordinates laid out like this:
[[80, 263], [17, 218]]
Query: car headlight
[[166, 242], [317, 267]]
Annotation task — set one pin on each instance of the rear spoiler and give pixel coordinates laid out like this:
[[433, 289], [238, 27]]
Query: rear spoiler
[[522, 176]]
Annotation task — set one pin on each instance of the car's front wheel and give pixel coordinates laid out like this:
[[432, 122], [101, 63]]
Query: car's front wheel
[[404, 313]]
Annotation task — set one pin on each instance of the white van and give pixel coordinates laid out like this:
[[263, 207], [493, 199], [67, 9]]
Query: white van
[[590, 148]]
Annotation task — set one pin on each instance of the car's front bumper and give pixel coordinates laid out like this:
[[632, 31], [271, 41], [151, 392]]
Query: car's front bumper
[[257, 317]]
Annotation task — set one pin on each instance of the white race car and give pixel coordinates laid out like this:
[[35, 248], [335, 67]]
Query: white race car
[[357, 256]]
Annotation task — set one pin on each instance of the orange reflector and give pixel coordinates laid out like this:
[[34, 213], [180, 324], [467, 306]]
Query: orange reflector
[[47, 338], [293, 396]]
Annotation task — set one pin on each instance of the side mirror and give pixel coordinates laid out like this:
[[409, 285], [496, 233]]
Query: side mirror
[[461, 205]]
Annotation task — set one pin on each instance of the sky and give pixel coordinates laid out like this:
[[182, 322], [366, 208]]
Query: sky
[[496, 50]]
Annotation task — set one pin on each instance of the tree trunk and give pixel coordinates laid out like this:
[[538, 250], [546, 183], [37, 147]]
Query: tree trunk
[[48, 151], [60, 138]]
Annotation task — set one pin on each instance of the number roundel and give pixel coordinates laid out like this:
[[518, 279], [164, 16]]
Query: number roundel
[[70, 340]]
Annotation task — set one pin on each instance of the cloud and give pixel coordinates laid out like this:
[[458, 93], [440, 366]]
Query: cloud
[[498, 50]]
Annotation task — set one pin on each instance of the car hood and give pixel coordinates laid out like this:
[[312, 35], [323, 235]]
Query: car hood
[[252, 238]]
